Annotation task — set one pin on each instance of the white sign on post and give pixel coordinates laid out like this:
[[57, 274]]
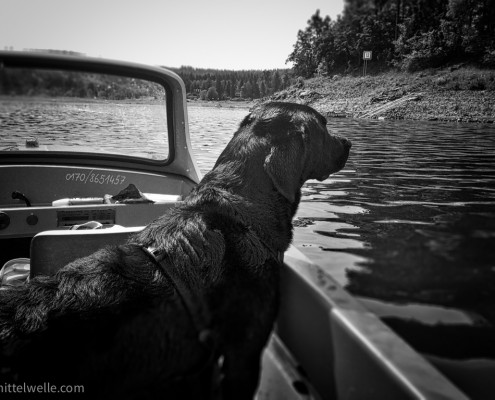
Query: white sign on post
[[366, 57]]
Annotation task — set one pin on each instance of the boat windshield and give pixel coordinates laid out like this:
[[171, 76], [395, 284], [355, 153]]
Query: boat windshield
[[69, 111]]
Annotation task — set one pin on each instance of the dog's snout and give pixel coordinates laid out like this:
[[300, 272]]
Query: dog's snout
[[346, 142]]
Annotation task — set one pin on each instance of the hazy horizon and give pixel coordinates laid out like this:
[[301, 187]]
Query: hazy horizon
[[219, 34]]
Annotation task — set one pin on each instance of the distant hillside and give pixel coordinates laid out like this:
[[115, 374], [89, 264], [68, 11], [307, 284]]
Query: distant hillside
[[211, 84]]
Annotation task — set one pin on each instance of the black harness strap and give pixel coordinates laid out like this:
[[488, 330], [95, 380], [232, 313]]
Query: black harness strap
[[198, 315], [200, 319]]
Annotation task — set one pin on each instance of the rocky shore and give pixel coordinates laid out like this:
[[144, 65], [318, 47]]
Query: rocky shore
[[221, 103], [457, 94]]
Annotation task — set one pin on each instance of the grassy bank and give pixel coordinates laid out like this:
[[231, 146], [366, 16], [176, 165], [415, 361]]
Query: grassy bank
[[459, 94]]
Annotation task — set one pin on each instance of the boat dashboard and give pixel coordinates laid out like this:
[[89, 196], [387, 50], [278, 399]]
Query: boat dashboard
[[36, 198]]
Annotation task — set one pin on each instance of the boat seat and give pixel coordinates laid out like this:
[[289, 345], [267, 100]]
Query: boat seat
[[51, 250]]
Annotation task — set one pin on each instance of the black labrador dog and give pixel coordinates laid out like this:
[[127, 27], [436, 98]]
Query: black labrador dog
[[186, 306]]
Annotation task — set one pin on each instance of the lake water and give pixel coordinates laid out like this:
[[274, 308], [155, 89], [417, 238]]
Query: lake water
[[408, 225], [78, 123]]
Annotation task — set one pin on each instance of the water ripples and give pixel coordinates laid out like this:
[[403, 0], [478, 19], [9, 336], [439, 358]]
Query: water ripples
[[135, 128], [408, 224], [424, 229], [410, 219]]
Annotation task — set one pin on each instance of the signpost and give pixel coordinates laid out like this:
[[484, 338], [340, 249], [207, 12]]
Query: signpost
[[367, 54]]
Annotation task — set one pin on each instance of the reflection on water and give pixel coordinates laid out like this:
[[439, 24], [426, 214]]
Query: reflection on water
[[408, 225]]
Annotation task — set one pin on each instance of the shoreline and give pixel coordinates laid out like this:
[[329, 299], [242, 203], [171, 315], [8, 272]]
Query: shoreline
[[222, 103], [455, 94]]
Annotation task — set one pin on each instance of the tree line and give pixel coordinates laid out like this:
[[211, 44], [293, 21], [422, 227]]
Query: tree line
[[200, 83], [407, 34], [52, 83], [210, 84]]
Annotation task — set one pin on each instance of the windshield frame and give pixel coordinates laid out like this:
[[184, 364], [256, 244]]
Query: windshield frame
[[177, 124]]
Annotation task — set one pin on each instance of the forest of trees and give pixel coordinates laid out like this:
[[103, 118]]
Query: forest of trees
[[200, 83], [406, 34], [51, 83], [210, 84]]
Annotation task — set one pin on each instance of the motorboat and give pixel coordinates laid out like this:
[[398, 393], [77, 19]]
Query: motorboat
[[91, 150]]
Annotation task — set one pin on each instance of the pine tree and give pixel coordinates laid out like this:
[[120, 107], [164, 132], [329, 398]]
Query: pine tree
[[256, 89], [276, 81], [263, 91], [239, 86], [247, 91], [218, 87], [227, 89], [285, 80]]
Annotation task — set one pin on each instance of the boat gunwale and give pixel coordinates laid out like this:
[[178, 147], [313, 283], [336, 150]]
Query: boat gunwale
[[353, 329]]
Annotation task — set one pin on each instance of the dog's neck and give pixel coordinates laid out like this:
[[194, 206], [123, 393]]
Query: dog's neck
[[244, 200]]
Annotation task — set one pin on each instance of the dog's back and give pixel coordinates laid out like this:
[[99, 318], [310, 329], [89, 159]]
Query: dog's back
[[105, 322]]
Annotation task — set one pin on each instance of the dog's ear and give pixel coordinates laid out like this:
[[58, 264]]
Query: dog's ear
[[284, 166]]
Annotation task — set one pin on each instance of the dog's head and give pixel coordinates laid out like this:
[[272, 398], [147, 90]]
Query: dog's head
[[299, 145]]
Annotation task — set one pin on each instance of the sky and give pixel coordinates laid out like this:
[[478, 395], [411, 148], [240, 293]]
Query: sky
[[219, 34]]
